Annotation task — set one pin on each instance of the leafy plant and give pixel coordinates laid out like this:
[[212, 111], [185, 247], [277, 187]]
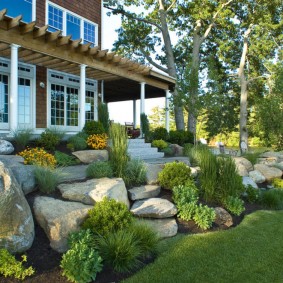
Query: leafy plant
[[180, 137], [99, 169], [160, 144], [9, 266], [97, 141], [22, 136], [46, 179], [204, 216], [277, 183], [174, 174], [235, 205], [93, 128], [108, 216], [144, 124], [187, 193], [81, 236], [103, 116], [78, 142], [187, 148], [64, 159], [160, 133], [134, 173], [272, 199], [168, 151], [50, 138], [187, 210], [251, 194]]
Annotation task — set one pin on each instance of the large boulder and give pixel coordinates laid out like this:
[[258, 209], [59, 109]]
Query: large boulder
[[58, 218], [268, 160], [72, 173], [249, 181], [142, 192], [6, 147], [89, 156], [243, 165], [257, 176], [154, 208], [16, 221], [278, 155], [95, 190], [152, 171], [223, 217], [269, 173], [177, 149]]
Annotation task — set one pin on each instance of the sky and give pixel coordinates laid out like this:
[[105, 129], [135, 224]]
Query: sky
[[122, 112]]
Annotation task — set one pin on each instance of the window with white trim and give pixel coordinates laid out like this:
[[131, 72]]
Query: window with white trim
[[69, 23]]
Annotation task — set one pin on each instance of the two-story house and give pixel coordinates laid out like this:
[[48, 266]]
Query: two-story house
[[53, 71]]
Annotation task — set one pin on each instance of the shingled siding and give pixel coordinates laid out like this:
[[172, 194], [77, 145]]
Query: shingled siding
[[41, 97]]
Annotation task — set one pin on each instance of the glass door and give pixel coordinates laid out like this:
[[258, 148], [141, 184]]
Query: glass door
[[24, 103]]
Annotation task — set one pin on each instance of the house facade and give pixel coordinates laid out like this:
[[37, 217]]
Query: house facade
[[53, 72]]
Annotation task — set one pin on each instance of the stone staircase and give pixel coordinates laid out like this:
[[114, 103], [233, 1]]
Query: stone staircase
[[138, 149]]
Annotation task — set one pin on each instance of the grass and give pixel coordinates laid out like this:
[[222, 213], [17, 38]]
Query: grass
[[251, 252]]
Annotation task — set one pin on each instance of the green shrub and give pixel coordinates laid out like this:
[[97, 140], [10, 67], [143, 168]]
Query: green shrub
[[204, 216], [160, 144], [174, 174], [251, 194], [277, 183], [272, 199], [46, 179], [118, 152], [108, 216], [187, 148], [120, 250], [77, 142], [93, 128], [9, 266], [187, 211], [135, 173], [81, 263], [168, 151], [82, 236], [144, 124], [180, 137], [22, 136], [50, 138], [187, 193], [64, 159], [235, 205], [103, 116], [160, 133], [99, 169]]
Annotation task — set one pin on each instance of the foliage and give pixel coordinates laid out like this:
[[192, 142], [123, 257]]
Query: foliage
[[119, 147], [160, 133], [277, 183], [38, 156], [251, 194], [135, 173], [108, 216], [187, 148], [252, 156], [50, 138], [64, 159], [22, 136], [160, 144], [93, 128], [99, 169], [144, 124], [9, 266], [235, 205], [204, 216], [187, 211], [81, 262], [46, 178], [168, 151], [81, 236], [103, 116], [97, 141], [174, 174], [195, 153], [180, 137], [187, 193], [78, 142], [272, 199]]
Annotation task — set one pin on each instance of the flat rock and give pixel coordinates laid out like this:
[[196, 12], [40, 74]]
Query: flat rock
[[223, 217], [249, 181], [269, 173], [280, 165], [278, 155], [147, 191], [268, 160], [72, 173], [6, 147], [154, 208], [89, 156], [58, 218], [257, 176], [164, 228], [152, 172]]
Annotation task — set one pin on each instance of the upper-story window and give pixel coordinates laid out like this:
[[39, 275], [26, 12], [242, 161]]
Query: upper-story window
[[59, 18], [26, 8]]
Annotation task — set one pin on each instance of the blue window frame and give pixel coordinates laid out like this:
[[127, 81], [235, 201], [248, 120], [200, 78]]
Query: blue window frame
[[22, 7], [73, 26], [55, 18], [89, 33]]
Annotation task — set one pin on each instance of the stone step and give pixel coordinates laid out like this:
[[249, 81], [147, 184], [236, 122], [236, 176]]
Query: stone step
[[143, 150], [136, 141], [142, 192], [147, 156], [139, 145]]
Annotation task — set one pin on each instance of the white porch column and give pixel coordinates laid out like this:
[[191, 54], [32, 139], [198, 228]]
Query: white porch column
[[13, 110], [95, 105], [102, 91], [135, 113], [167, 117], [142, 104], [82, 98]]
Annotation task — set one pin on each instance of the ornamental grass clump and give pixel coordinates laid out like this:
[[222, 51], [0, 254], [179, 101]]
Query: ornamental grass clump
[[272, 199], [38, 156], [46, 178], [22, 136], [99, 169], [134, 173], [97, 141]]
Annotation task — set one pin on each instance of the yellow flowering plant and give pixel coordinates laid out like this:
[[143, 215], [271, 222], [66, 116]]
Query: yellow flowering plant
[[38, 156], [98, 141]]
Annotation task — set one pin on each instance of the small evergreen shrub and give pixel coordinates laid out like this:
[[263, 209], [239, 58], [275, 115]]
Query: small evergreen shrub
[[235, 205], [63, 159], [77, 142], [160, 133], [97, 141], [144, 124], [22, 136], [277, 183], [251, 194], [103, 116], [187, 211], [168, 151], [204, 216], [46, 179], [174, 174], [272, 199], [134, 173], [50, 138], [160, 144], [108, 216], [187, 193], [99, 169], [93, 128], [180, 137], [9, 266]]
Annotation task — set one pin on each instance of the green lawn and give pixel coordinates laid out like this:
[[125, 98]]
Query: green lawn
[[251, 252]]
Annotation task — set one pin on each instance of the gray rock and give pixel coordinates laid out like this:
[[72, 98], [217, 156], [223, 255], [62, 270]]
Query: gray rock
[[269, 173], [72, 173], [16, 221], [245, 162], [249, 181], [152, 172], [154, 207], [6, 147], [278, 155], [257, 176], [177, 149], [164, 228], [195, 171], [147, 191], [89, 156], [223, 217], [58, 218], [268, 160], [280, 165]]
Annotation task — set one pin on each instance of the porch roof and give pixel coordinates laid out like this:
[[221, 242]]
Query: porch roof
[[40, 47]]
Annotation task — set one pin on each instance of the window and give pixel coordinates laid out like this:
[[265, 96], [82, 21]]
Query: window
[[4, 99], [22, 7], [71, 24], [89, 99]]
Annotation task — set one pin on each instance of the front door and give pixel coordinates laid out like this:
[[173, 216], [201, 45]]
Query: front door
[[24, 103]]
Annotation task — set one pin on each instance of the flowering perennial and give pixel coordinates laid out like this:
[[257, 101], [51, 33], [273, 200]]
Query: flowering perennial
[[98, 141]]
